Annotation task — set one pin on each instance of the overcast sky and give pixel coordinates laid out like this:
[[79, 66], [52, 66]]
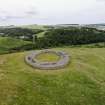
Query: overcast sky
[[17, 12]]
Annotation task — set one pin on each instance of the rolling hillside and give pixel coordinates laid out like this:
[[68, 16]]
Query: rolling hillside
[[7, 43], [82, 82], [34, 26]]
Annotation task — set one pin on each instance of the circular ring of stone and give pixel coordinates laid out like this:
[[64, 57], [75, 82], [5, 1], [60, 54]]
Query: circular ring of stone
[[62, 62]]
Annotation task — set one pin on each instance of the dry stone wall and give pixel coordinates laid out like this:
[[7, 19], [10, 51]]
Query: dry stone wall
[[31, 60]]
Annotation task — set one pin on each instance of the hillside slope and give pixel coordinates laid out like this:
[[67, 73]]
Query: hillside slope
[[82, 82], [7, 43]]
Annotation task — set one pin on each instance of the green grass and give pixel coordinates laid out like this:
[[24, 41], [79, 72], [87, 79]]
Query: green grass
[[7, 43], [33, 27], [94, 45], [47, 57], [41, 34], [82, 82]]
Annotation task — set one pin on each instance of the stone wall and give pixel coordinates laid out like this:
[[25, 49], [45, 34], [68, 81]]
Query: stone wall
[[31, 60]]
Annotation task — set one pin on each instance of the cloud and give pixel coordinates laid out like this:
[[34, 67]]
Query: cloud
[[100, 0], [31, 11], [8, 15], [51, 11]]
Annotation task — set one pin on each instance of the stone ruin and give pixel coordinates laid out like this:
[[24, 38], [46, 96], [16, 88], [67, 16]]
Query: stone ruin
[[62, 62]]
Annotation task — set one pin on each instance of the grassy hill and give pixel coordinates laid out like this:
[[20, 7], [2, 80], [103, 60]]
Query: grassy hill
[[41, 34], [82, 82], [7, 43], [34, 26]]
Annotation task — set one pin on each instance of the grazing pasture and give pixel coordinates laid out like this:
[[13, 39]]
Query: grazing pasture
[[82, 82], [8, 43]]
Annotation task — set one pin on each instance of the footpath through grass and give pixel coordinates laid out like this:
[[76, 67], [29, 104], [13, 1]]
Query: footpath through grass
[[82, 82]]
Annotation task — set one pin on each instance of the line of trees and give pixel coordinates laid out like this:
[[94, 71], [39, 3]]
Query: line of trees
[[20, 33], [74, 36], [56, 37]]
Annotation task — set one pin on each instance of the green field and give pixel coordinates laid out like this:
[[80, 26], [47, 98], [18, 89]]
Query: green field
[[41, 34], [47, 57], [6, 43], [34, 26], [82, 82]]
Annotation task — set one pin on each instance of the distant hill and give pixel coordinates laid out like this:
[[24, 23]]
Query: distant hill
[[33, 26], [10, 26]]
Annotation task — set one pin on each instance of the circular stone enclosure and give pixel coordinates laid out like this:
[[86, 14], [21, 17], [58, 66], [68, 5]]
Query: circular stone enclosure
[[47, 57], [34, 60]]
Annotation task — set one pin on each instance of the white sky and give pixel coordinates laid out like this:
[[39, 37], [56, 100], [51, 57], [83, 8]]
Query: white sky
[[51, 11]]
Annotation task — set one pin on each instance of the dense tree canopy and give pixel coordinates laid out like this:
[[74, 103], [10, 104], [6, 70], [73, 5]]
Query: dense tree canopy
[[74, 36], [53, 37], [21, 33]]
